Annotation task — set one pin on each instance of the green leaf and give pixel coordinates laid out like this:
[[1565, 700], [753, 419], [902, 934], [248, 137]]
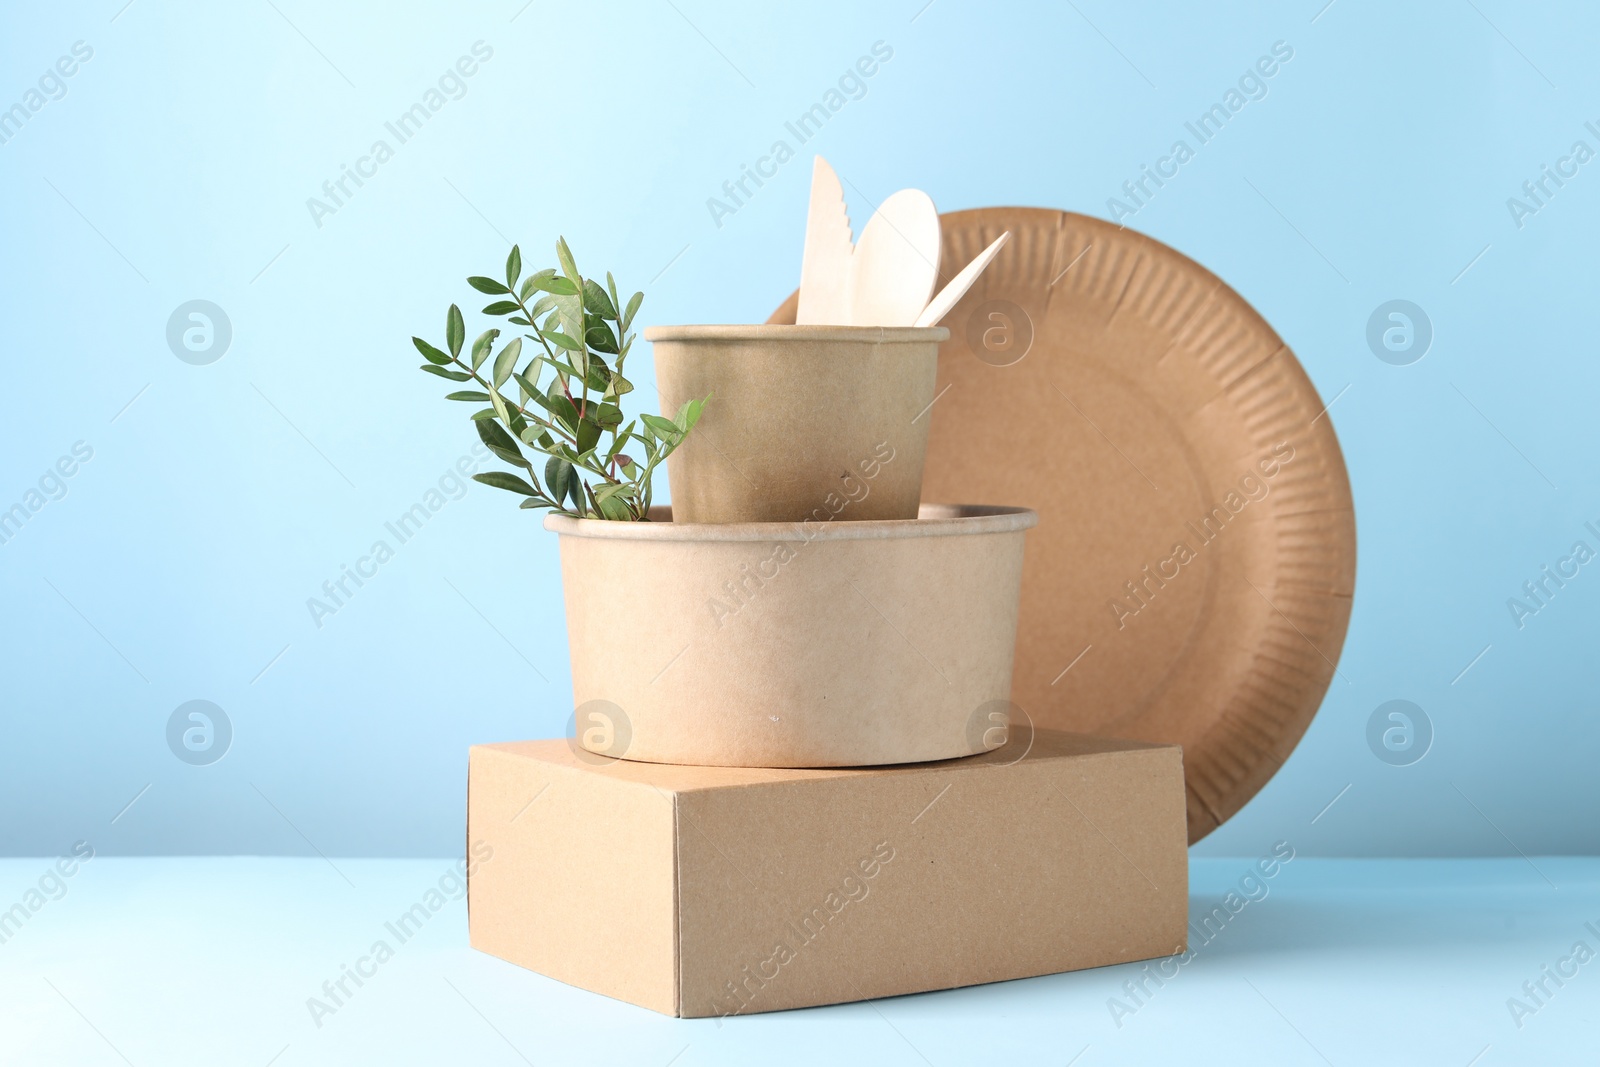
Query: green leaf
[[513, 266], [560, 367], [502, 307], [563, 408], [633, 309], [559, 476], [487, 285], [482, 346], [615, 509], [486, 413], [596, 300], [536, 434], [600, 338], [500, 443], [508, 481], [506, 361], [611, 294], [562, 340], [665, 428], [518, 320], [607, 415], [622, 437], [689, 414], [535, 281], [563, 481], [429, 353], [500, 409], [544, 401], [469, 394], [568, 266], [526, 384], [453, 375], [599, 376], [454, 331], [611, 489], [569, 311], [556, 286], [588, 434], [542, 305]]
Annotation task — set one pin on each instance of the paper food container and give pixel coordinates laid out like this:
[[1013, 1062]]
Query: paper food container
[[797, 644], [799, 417]]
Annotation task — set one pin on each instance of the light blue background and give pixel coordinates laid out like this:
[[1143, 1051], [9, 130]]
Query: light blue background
[[178, 164]]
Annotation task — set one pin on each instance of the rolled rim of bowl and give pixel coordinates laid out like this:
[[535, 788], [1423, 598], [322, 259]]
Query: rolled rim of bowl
[[933, 520], [770, 332]]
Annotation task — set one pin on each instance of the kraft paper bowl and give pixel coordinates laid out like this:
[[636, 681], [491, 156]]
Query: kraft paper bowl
[[811, 644], [801, 418]]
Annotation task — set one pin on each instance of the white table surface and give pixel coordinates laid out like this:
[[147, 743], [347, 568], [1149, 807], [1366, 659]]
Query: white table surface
[[211, 961]]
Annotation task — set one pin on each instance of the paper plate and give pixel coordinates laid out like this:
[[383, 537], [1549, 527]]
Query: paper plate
[[1191, 574]]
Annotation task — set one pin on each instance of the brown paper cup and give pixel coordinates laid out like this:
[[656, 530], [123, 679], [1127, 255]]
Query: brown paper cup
[[804, 422], [814, 644]]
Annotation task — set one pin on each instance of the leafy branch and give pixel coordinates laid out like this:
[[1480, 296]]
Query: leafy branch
[[574, 419]]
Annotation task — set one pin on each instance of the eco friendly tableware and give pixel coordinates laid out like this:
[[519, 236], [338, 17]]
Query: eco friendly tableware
[[952, 293], [896, 262], [799, 418], [825, 275], [886, 278], [798, 644], [1191, 578]]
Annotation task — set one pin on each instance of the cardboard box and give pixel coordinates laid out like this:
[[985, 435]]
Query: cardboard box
[[709, 891]]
